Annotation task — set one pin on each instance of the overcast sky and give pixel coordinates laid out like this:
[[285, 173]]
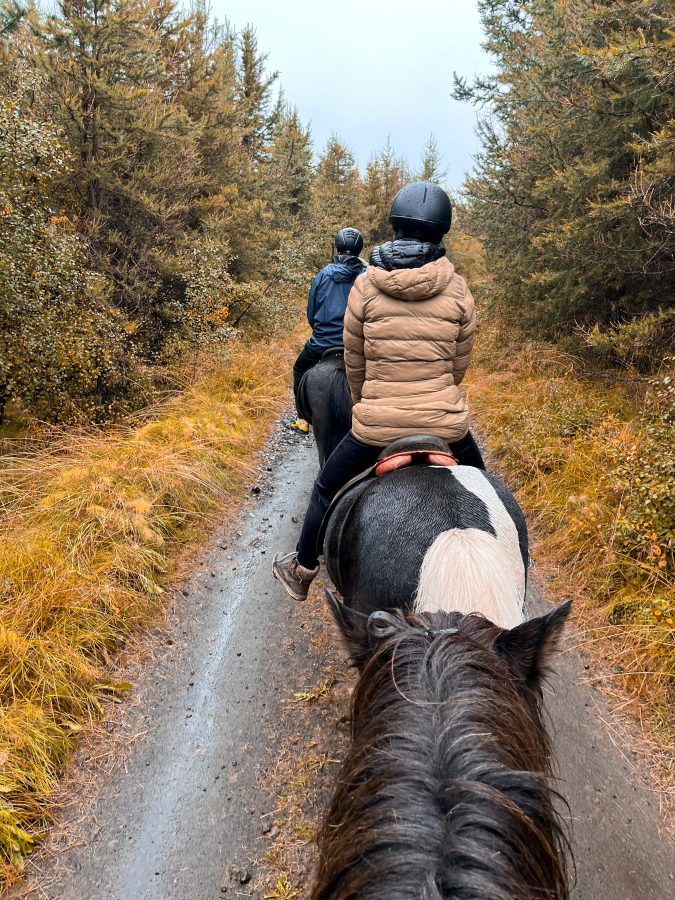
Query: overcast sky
[[384, 69]]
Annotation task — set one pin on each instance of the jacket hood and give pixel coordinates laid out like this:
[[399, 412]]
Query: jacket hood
[[405, 253], [345, 268], [413, 284]]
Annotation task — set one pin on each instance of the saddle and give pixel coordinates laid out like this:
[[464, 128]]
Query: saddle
[[301, 403], [415, 450], [333, 352]]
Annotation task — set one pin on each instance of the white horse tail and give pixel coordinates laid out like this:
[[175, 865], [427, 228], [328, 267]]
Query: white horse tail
[[468, 570]]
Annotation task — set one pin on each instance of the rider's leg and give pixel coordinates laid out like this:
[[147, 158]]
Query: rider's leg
[[466, 452], [350, 457], [297, 570], [306, 359]]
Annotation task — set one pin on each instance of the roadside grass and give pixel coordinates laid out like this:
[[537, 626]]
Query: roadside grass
[[92, 524], [590, 457]]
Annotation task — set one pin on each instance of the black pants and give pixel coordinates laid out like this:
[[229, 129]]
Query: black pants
[[306, 359], [350, 457], [466, 452]]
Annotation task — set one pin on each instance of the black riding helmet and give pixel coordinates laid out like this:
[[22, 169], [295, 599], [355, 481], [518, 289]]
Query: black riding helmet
[[423, 208], [349, 240]]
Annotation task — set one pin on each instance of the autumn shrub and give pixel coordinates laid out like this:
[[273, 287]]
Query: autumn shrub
[[91, 525], [643, 475], [61, 343], [639, 343], [591, 460]]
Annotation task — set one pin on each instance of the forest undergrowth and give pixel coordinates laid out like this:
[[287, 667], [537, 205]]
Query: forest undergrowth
[[92, 523], [589, 453]]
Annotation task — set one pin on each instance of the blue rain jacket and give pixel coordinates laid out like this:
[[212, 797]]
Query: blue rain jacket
[[328, 301]]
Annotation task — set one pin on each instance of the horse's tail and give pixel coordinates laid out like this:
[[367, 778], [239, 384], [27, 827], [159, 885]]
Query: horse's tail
[[468, 570], [340, 409]]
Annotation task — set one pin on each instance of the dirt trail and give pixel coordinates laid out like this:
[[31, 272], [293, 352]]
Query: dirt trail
[[187, 817]]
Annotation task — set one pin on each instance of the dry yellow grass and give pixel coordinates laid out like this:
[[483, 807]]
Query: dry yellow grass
[[90, 527], [588, 456]]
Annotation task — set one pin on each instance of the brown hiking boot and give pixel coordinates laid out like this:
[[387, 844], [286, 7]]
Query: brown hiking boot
[[295, 578]]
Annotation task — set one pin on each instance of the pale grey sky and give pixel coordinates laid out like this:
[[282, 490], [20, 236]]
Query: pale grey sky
[[383, 69]]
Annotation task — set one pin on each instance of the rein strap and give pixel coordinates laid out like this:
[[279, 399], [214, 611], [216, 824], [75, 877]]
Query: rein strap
[[382, 624]]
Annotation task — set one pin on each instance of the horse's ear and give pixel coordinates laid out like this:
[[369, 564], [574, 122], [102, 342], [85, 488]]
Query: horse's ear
[[528, 648], [353, 627]]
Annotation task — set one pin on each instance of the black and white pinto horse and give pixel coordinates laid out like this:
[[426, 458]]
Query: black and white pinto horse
[[446, 789], [325, 401], [429, 539]]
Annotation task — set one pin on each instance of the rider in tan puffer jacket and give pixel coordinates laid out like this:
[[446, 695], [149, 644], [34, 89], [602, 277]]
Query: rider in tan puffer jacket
[[408, 333], [408, 337]]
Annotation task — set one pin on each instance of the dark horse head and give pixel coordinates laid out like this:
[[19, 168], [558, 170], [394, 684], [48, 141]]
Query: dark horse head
[[324, 400], [445, 792]]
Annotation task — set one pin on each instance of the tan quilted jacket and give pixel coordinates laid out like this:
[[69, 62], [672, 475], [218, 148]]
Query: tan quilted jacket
[[408, 336]]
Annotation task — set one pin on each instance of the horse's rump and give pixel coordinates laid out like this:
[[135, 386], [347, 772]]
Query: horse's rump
[[462, 521], [301, 399], [470, 569]]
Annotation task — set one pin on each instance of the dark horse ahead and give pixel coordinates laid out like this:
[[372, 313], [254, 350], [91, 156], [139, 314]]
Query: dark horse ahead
[[445, 792], [325, 401]]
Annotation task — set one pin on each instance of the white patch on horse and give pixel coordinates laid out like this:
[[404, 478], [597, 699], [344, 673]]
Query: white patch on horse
[[469, 570], [507, 534]]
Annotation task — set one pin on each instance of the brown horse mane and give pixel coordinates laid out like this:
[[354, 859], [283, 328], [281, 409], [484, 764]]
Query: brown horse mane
[[445, 792]]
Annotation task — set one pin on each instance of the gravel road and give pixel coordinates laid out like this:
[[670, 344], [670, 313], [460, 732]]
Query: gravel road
[[181, 820]]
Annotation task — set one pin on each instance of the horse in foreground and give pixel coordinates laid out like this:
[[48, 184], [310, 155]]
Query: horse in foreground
[[325, 401], [445, 791]]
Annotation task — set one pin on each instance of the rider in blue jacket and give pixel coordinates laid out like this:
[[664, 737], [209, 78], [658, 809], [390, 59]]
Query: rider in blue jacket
[[326, 308]]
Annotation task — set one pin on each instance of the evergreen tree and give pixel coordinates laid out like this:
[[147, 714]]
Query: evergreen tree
[[573, 189], [255, 91], [337, 168], [290, 166], [431, 169], [137, 155], [386, 174], [336, 194], [61, 345]]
